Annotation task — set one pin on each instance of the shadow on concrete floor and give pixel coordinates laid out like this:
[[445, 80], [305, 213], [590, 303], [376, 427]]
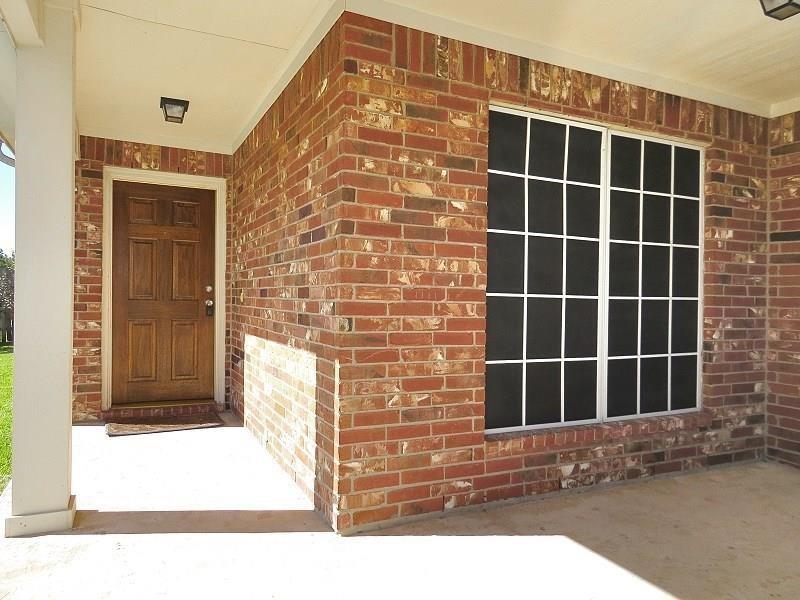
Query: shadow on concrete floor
[[99, 522], [721, 534], [725, 533]]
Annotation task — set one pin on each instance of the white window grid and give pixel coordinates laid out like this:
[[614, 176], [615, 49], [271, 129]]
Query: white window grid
[[604, 241]]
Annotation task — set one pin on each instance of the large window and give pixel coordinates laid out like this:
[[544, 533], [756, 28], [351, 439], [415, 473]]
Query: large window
[[593, 271]]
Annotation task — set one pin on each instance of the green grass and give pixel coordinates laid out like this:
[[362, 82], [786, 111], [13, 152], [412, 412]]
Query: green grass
[[6, 377]]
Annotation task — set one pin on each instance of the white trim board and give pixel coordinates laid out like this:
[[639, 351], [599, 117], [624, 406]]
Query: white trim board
[[785, 107], [47, 522], [219, 186]]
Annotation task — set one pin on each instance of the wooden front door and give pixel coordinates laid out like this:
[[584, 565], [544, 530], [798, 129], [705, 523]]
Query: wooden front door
[[163, 273]]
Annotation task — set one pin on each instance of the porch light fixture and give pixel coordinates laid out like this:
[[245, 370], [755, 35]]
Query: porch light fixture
[[174, 109], [780, 9], [6, 155]]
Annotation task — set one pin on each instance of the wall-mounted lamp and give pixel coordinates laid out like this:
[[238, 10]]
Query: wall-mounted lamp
[[6, 155], [780, 9], [174, 109]]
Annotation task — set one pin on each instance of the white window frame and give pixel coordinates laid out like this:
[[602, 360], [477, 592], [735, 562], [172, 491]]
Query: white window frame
[[604, 242]]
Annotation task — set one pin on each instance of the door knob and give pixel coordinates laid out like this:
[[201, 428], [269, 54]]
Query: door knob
[[209, 308]]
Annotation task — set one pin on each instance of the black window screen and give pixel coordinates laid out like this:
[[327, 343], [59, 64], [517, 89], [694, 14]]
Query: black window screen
[[653, 297], [593, 262]]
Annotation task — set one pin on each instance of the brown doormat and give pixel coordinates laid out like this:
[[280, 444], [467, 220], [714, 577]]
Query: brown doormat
[[162, 424]]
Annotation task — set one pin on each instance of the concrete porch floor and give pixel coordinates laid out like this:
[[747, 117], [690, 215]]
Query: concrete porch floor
[[206, 513]]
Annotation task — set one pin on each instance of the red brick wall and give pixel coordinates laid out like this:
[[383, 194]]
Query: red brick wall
[[783, 395], [95, 153], [413, 278], [284, 227], [356, 278]]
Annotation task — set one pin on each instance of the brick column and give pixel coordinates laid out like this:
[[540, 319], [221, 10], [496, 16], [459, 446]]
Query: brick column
[[783, 366]]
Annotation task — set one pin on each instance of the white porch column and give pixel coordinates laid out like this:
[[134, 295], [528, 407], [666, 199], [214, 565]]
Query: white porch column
[[45, 166]]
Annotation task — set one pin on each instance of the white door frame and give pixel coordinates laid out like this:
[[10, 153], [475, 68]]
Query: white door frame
[[219, 186]]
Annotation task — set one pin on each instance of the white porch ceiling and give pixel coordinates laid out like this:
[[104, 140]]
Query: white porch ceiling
[[220, 55], [722, 47], [231, 58]]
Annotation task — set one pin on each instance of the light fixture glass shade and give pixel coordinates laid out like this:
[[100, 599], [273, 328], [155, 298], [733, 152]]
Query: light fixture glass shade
[[174, 109], [780, 9], [6, 155]]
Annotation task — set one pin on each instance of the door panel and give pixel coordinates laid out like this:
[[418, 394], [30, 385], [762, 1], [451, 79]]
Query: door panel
[[185, 257], [142, 350], [142, 269], [142, 210], [184, 214], [163, 259], [184, 349]]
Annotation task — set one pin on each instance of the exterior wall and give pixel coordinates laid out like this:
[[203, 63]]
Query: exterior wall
[[356, 278], [783, 396], [282, 274], [95, 153], [413, 281]]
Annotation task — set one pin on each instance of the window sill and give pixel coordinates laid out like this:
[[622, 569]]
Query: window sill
[[628, 428]]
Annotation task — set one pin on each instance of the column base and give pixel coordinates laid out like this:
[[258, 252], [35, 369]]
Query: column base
[[49, 522]]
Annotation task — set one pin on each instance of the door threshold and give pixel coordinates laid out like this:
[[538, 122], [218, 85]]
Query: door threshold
[[165, 408], [163, 404]]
